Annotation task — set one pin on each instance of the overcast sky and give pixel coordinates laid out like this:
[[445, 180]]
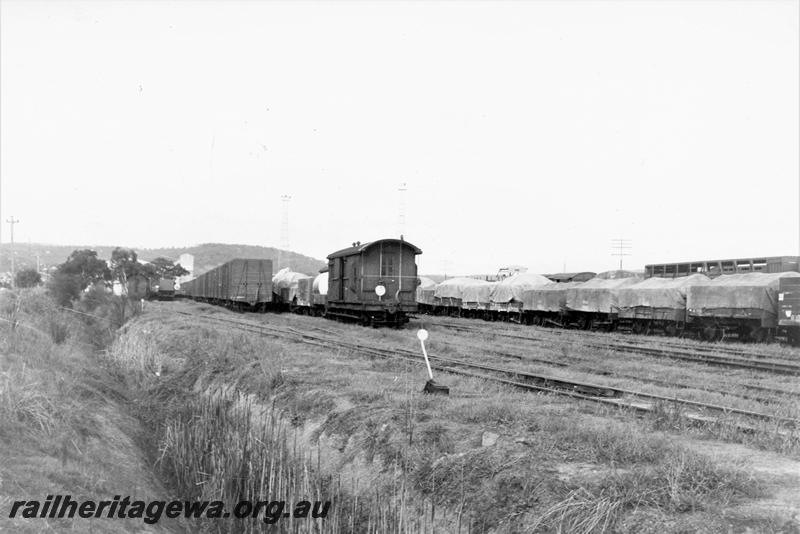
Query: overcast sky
[[528, 132]]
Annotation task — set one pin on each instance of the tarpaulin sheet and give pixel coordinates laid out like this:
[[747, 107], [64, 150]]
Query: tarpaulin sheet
[[658, 292], [425, 295], [320, 286], [285, 278], [426, 283], [285, 283], [549, 298], [478, 293], [597, 295], [512, 287], [750, 291], [453, 288]]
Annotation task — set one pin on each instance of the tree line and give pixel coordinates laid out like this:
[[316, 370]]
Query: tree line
[[84, 269]]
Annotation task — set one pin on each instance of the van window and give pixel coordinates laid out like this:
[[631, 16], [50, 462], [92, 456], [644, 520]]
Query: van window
[[387, 268]]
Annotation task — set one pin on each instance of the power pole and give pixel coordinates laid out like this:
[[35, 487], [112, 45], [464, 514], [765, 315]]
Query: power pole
[[621, 247], [402, 215], [12, 221]]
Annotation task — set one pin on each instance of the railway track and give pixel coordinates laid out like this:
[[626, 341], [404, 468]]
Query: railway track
[[777, 395], [725, 348], [769, 366], [718, 347], [693, 411]]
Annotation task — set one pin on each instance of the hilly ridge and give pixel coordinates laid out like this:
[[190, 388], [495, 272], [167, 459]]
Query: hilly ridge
[[206, 255]]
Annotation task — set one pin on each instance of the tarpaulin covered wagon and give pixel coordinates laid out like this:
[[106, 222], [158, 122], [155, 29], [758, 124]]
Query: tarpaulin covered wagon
[[547, 303], [507, 295], [745, 305], [449, 294], [285, 285], [476, 298], [593, 301], [656, 303], [426, 291]]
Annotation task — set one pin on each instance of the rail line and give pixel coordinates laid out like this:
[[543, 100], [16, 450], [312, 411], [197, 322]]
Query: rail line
[[769, 366], [664, 383], [613, 396], [727, 348], [760, 389]]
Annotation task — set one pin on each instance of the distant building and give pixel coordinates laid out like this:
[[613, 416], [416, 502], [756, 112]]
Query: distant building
[[502, 273], [713, 268], [187, 262]]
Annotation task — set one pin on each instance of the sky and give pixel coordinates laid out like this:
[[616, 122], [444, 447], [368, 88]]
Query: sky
[[527, 133]]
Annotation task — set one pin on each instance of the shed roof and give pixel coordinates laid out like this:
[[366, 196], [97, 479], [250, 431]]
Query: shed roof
[[361, 247]]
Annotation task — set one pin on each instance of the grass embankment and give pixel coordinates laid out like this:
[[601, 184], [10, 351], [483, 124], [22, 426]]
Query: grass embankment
[[64, 424], [485, 459]]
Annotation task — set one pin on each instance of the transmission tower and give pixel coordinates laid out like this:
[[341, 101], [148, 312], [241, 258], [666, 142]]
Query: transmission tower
[[402, 215], [285, 199], [621, 247]]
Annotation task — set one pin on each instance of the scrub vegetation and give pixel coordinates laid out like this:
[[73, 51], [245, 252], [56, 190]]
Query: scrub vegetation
[[64, 423], [170, 406], [485, 459]]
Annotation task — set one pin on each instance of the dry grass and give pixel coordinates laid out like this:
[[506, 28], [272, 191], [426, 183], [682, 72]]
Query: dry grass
[[707, 384], [63, 424], [419, 456], [681, 482], [23, 403], [224, 448]]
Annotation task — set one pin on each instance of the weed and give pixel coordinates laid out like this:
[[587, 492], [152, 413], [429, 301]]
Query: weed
[[23, 401]]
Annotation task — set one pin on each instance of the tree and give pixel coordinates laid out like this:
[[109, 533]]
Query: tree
[[28, 278], [82, 268], [124, 264], [65, 288], [86, 266], [166, 268]]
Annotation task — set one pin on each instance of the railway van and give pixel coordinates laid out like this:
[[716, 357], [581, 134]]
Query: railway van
[[374, 283]]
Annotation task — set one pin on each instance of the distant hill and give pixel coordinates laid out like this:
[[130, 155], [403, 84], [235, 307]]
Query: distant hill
[[209, 255], [206, 256]]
